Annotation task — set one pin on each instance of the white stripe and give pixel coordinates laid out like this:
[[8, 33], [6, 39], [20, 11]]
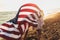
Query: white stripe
[[25, 19], [26, 27], [9, 29], [9, 34], [23, 27], [8, 23], [33, 8], [15, 25], [28, 14]]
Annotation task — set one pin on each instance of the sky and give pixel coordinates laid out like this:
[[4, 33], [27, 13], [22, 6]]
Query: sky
[[14, 5]]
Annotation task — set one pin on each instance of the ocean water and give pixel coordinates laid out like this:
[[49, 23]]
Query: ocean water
[[6, 16]]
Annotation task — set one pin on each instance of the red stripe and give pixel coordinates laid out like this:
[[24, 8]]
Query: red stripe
[[22, 16], [20, 29], [30, 4], [25, 16], [13, 32], [7, 25], [25, 25], [21, 22], [29, 10]]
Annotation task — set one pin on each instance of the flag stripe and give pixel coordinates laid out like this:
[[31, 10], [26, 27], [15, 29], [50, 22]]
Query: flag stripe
[[23, 27], [14, 32], [33, 5], [30, 7], [10, 35], [25, 19], [29, 15], [9, 29], [29, 10], [7, 25]]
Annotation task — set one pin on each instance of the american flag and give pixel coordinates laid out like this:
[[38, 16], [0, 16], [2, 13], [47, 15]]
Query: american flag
[[28, 15]]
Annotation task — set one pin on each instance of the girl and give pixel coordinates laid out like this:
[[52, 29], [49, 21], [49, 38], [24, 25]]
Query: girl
[[28, 15]]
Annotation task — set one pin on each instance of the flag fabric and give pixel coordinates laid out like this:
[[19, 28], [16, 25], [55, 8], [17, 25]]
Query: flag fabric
[[28, 15]]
